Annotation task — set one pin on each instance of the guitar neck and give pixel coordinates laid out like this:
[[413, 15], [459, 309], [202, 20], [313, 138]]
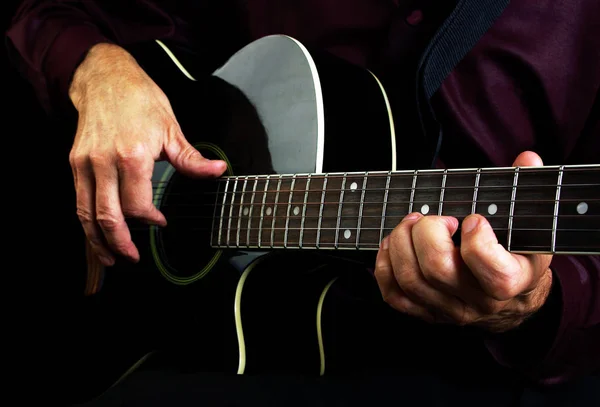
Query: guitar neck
[[531, 209]]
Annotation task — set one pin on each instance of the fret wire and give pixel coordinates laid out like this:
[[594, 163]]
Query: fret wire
[[262, 210], [384, 208], [251, 209], [442, 193], [556, 203], [223, 211], [476, 191], [360, 209], [512, 206], [339, 216], [287, 220], [321, 211], [412, 192], [231, 210], [239, 226], [304, 210], [214, 219], [275, 211]]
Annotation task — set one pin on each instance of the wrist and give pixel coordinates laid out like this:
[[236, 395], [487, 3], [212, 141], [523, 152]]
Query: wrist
[[102, 61]]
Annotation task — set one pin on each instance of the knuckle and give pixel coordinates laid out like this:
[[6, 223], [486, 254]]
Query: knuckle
[[84, 216], [77, 160], [506, 288], [437, 267], [107, 222], [131, 154]]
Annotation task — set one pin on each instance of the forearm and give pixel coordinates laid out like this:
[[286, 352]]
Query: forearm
[[47, 40], [562, 341]]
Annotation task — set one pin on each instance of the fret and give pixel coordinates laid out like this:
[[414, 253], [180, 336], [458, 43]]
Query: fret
[[223, 211], [289, 207], [533, 209], [349, 210], [302, 222], [400, 192], [428, 187], [360, 209], [384, 206], [371, 222], [321, 205], [214, 232], [339, 213], [578, 225], [442, 192], [295, 219], [512, 207], [494, 197], [412, 192], [312, 211], [252, 235], [231, 205], [475, 192], [240, 211], [459, 194], [556, 206], [263, 211], [274, 218], [328, 212]]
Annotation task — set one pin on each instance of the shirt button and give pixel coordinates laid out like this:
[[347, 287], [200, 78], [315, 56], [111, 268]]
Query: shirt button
[[415, 17]]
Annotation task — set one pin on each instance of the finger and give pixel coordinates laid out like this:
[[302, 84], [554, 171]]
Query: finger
[[409, 277], [135, 187], [187, 160], [440, 262], [500, 274], [391, 292], [528, 159], [109, 214], [85, 194]]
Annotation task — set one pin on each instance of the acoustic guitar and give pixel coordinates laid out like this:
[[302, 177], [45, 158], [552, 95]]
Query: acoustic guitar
[[311, 189]]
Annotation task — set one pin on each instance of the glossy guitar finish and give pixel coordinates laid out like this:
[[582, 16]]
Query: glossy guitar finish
[[311, 150], [266, 111]]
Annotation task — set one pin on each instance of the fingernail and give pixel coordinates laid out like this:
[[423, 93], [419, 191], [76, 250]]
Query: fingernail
[[412, 216], [470, 223], [385, 243]]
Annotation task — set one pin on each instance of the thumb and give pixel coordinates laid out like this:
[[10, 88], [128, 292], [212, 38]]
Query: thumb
[[528, 159], [187, 160]]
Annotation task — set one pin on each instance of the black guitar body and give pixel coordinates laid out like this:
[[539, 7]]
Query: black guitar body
[[273, 108]]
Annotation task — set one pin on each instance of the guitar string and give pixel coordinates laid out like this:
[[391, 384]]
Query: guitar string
[[417, 188], [269, 229], [388, 216], [411, 173], [428, 202]]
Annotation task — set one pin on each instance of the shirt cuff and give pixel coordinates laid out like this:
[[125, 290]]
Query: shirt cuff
[[68, 50]]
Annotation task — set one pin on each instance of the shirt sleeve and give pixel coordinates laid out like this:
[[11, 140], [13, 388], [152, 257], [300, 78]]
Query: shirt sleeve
[[562, 340], [47, 39]]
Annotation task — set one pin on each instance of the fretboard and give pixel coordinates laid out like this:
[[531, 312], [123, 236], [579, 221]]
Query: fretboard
[[532, 210]]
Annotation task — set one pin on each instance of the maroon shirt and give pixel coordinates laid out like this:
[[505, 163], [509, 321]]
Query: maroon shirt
[[529, 84]]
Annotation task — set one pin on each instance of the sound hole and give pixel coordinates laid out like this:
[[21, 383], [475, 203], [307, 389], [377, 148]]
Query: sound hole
[[182, 249]]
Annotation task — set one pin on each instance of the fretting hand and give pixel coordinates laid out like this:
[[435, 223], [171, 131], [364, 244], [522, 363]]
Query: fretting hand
[[126, 123], [421, 272]]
